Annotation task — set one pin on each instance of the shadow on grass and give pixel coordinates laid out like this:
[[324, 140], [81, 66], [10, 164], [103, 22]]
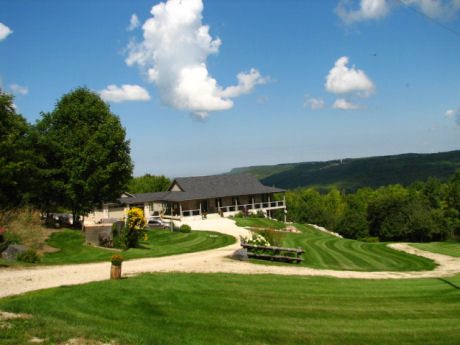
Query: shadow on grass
[[449, 283]]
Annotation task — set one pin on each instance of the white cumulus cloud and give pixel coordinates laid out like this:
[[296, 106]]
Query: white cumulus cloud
[[441, 9], [173, 55], [133, 22], [378, 9], [246, 82], [126, 92], [368, 10], [343, 104], [342, 79], [18, 89], [454, 114], [4, 31], [315, 103]]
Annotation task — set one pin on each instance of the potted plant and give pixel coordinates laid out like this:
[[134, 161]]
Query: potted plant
[[115, 271]]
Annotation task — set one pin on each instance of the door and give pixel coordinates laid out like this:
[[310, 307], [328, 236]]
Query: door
[[204, 206]]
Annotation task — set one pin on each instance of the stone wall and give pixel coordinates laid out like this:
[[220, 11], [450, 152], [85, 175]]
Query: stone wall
[[94, 232]]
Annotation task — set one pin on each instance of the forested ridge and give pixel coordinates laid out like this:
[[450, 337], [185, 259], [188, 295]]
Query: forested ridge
[[354, 173]]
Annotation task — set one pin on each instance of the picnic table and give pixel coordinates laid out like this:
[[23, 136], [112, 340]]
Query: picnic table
[[274, 253]]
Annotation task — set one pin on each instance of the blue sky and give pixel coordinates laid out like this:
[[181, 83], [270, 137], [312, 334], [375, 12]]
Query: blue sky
[[202, 87]]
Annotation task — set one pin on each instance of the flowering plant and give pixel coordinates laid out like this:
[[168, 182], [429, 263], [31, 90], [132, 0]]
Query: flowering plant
[[116, 259], [2, 231], [134, 228], [257, 240]]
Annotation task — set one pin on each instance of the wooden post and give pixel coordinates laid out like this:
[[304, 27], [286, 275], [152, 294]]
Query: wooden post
[[115, 272]]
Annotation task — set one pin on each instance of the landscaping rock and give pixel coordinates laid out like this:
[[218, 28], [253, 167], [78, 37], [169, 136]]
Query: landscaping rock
[[12, 251], [240, 254]]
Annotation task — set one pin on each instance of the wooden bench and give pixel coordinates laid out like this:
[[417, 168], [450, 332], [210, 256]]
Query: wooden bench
[[276, 253]]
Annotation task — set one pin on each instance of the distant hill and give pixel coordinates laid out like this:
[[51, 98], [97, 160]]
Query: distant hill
[[351, 174]]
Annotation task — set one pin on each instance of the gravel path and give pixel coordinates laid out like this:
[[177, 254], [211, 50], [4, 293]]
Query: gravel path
[[15, 281]]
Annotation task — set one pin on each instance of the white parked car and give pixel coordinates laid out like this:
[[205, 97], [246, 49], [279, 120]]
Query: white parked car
[[157, 223]]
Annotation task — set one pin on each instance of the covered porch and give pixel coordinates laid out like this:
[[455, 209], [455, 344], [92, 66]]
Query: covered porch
[[226, 206]]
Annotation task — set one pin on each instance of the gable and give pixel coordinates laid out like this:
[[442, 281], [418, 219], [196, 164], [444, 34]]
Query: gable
[[175, 187]]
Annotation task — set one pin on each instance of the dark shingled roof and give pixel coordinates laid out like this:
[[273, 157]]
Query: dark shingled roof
[[207, 187]]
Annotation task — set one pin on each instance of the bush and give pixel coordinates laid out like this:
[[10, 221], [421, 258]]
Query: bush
[[369, 239], [239, 215], [118, 243], [24, 226], [185, 228], [259, 214], [273, 237], [128, 235], [30, 255]]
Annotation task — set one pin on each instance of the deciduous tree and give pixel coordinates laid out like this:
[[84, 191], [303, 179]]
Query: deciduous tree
[[88, 148]]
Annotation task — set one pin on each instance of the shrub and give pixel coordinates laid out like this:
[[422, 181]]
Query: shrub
[[185, 228], [369, 239], [272, 236], [257, 240], [30, 255], [24, 226], [118, 243], [2, 231], [116, 259], [133, 230], [259, 214], [239, 215]]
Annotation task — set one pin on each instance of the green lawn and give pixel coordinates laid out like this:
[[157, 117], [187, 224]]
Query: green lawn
[[329, 252], [160, 243], [451, 248], [180, 308], [259, 222]]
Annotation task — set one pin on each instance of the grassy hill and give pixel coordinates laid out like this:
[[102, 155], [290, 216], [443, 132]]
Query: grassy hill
[[351, 174], [180, 308]]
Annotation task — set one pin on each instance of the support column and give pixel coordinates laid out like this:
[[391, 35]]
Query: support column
[[180, 210], [146, 210]]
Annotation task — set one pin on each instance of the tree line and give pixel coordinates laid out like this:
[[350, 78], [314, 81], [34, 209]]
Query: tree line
[[424, 211], [74, 157]]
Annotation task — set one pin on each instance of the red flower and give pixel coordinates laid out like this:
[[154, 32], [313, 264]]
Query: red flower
[[2, 230]]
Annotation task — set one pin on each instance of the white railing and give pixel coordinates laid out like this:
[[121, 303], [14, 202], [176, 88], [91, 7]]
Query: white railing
[[187, 213], [235, 208], [255, 206]]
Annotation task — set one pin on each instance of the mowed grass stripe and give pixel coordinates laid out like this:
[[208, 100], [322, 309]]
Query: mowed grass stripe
[[350, 250], [241, 309], [159, 243], [325, 251], [451, 248]]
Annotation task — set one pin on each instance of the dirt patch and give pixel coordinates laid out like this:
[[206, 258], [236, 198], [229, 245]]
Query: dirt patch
[[289, 228], [9, 316], [83, 341]]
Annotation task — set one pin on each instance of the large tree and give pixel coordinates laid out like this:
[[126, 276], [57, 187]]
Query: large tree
[[88, 155], [148, 184], [16, 155]]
